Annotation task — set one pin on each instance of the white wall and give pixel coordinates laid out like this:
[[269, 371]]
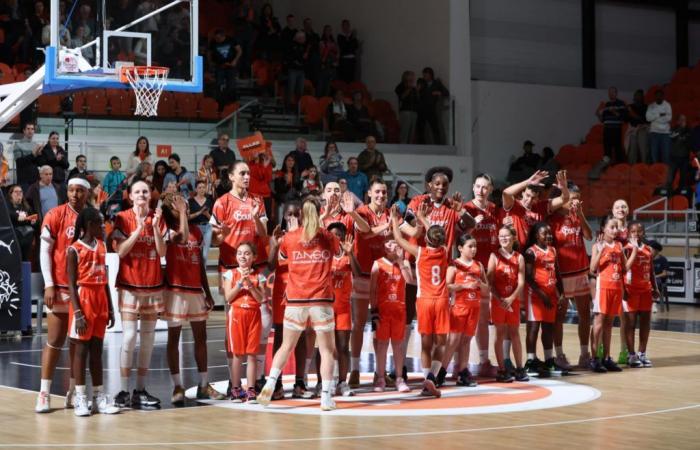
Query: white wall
[[506, 114]]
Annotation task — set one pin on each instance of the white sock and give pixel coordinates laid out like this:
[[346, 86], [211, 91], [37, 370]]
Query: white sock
[[45, 385], [125, 384], [96, 390], [548, 353], [140, 382], [203, 378], [81, 389], [559, 350], [71, 384], [355, 363], [483, 356], [274, 375], [426, 371], [584, 350], [506, 348], [435, 367], [530, 356], [177, 379], [326, 386]]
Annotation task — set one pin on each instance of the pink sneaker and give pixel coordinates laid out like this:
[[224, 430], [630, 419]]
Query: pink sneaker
[[379, 384], [401, 385]]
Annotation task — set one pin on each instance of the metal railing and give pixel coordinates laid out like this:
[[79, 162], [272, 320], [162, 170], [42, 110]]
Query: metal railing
[[233, 117], [659, 229]]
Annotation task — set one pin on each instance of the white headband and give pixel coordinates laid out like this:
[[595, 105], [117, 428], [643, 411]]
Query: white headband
[[79, 182]]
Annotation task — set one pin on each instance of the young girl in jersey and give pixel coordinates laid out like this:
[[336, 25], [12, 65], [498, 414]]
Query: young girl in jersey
[[91, 310], [544, 296], [311, 183], [609, 262], [187, 297], [387, 293], [466, 280], [244, 291], [640, 284], [432, 299], [506, 274], [620, 211]]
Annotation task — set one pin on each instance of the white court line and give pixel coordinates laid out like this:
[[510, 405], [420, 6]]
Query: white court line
[[359, 437], [38, 366]]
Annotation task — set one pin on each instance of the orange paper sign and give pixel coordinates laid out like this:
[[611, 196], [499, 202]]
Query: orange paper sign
[[164, 150], [250, 147]]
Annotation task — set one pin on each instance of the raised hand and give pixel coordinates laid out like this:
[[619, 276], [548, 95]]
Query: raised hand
[[180, 205], [347, 244], [347, 203], [457, 201], [562, 182], [538, 177], [423, 211], [156, 218]]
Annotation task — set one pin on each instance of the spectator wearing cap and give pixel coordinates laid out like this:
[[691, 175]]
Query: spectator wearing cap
[[612, 113], [183, 179], [659, 114], [525, 165]]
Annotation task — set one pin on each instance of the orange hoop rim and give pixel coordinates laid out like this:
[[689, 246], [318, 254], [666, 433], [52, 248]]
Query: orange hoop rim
[[142, 71]]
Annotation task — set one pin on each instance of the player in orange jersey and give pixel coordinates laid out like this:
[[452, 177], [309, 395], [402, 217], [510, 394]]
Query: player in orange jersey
[[640, 284], [244, 291], [432, 302], [466, 280], [187, 295], [91, 311], [570, 228], [609, 262], [338, 207], [545, 294], [620, 210], [506, 274], [388, 300], [309, 251], [57, 232], [138, 233]]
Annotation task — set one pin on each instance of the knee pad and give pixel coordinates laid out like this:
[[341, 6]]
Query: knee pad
[[128, 343], [147, 336]]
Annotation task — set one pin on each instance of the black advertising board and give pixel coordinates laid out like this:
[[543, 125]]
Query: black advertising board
[[10, 272]]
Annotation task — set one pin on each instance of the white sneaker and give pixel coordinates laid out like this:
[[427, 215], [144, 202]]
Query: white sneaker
[[401, 385], [81, 405], [646, 362], [265, 394], [43, 402], [344, 390], [633, 361], [70, 399], [327, 403], [103, 404]]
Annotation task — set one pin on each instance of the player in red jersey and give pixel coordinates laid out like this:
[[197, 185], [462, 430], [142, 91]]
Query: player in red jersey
[[388, 299], [91, 311], [640, 284], [609, 262], [432, 303], [57, 232], [466, 280], [138, 233], [309, 251], [244, 291], [187, 296], [570, 228], [340, 207], [545, 294], [506, 274], [620, 210]]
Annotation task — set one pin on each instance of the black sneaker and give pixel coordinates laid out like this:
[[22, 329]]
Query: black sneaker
[[533, 367], [404, 373], [504, 377], [122, 400], [597, 366], [611, 365], [429, 385], [440, 379], [259, 384], [278, 394], [554, 370], [521, 375], [140, 399], [465, 379]]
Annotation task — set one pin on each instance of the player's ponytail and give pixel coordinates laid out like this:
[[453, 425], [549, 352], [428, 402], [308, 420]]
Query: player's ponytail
[[310, 219]]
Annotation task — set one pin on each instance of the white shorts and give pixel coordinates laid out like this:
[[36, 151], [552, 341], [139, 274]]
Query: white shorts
[[137, 303], [266, 317], [360, 288], [185, 307], [61, 302], [320, 318], [576, 285]]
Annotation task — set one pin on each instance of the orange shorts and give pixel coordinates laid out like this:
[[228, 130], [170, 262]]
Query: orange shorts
[[343, 315], [501, 316], [94, 305], [464, 319], [433, 315], [243, 330], [537, 312], [607, 301], [640, 301], [392, 323]]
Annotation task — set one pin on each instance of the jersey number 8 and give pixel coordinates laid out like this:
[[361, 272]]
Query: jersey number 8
[[435, 275]]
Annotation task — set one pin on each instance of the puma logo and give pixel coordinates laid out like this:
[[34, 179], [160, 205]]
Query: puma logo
[[7, 246]]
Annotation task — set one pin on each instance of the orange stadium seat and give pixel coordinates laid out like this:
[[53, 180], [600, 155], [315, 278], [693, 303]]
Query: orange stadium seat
[[166, 105], [50, 104], [208, 108], [186, 105], [230, 108], [96, 101], [309, 107]]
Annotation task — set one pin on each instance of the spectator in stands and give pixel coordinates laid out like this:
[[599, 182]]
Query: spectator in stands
[[21, 217], [348, 45], [329, 62], [184, 180], [201, 205], [301, 157], [343, 183], [297, 56], [36, 22], [261, 177], [357, 181], [660, 266], [80, 168], [44, 194], [311, 182], [223, 156], [224, 54], [637, 136], [371, 161], [336, 120], [408, 106], [288, 33], [679, 157], [81, 38], [53, 155], [331, 163], [286, 182], [659, 114], [144, 172], [207, 174], [268, 40], [525, 165], [431, 92], [25, 153], [97, 194], [612, 114], [548, 163], [141, 153], [114, 182], [401, 197], [160, 170], [244, 20], [86, 19], [313, 50], [359, 118]]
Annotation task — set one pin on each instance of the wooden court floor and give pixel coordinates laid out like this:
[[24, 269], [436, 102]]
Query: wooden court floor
[[656, 408]]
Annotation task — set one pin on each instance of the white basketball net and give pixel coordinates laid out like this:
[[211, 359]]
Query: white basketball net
[[148, 83]]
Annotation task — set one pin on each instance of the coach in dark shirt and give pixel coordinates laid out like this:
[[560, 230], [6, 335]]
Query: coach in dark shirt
[[223, 155], [613, 114]]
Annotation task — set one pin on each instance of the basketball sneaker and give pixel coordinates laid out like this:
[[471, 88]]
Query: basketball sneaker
[[521, 375], [209, 393], [510, 368], [610, 365], [344, 390], [429, 385], [388, 381], [327, 403], [278, 394], [441, 376], [584, 361], [259, 383], [251, 396], [633, 361], [81, 405], [43, 402], [465, 378], [597, 366], [238, 395], [401, 385], [101, 404], [354, 381], [563, 362], [379, 384], [504, 377], [300, 391], [532, 367], [622, 358], [553, 369], [141, 399], [265, 394], [178, 397], [70, 399], [123, 399], [487, 370], [644, 359]]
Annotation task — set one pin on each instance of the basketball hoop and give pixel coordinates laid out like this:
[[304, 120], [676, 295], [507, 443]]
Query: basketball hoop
[[147, 83]]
